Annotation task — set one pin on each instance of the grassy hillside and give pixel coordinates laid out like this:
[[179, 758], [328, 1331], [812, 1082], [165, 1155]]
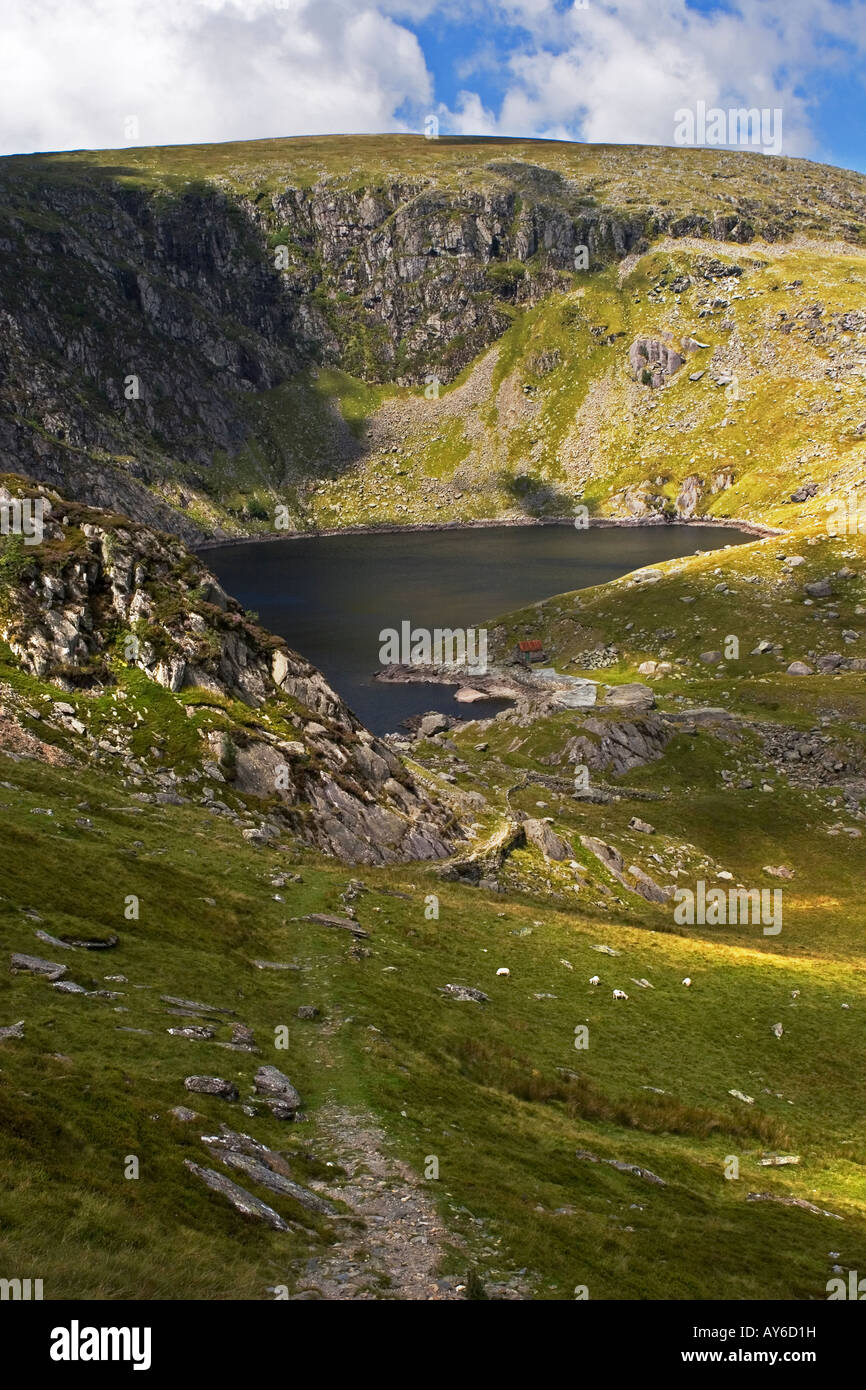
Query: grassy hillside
[[393, 329], [496, 1091], [710, 182], [553, 417], [429, 353]]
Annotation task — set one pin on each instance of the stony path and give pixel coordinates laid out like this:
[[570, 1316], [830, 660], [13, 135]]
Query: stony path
[[398, 1250]]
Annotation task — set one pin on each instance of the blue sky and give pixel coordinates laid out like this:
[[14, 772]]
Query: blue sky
[[809, 59], [111, 73]]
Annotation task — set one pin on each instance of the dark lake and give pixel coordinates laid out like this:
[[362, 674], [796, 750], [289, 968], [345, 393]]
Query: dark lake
[[331, 596]]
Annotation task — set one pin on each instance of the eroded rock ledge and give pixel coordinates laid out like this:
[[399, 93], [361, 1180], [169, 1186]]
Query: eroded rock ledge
[[100, 593]]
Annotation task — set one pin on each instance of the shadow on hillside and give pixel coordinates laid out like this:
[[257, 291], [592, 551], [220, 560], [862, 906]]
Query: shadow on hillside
[[536, 496]]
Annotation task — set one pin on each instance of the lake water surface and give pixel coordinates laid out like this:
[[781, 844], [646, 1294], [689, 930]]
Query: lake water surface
[[331, 596]]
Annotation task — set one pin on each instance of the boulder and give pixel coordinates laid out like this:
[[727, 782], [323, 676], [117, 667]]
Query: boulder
[[643, 826], [631, 695], [819, 588], [269, 1081], [545, 838], [34, 965], [240, 1199], [212, 1086], [831, 662], [280, 1109], [433, 724], [465, 994]]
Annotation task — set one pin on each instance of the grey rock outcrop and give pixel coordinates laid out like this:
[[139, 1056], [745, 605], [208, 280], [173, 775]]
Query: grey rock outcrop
[[619, 746], [260, 1173], [545, 838], [212, 1086], [240, 1199], [337, 786], [270, 1081], [621, 1167], [466, 994], [636, 880], [653, 361], [630, 695], [34, 965]]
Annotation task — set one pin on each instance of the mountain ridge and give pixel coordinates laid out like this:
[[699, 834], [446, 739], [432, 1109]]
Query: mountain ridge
[[408, 269]]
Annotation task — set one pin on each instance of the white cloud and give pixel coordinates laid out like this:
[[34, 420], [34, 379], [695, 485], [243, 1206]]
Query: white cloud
[[471, 117], [619, 72], [73, 71]]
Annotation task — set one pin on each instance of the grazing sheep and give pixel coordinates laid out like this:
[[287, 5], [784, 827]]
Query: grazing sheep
[[620, 994], [503, 970], [687, 981], [596, 980], [795, 994]]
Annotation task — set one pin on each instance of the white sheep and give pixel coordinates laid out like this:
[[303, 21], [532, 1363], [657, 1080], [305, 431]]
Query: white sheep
[[596, 980], [687, 981], [620, 994], [503, 970]]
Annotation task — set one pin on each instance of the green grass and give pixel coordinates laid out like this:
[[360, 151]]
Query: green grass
[[548, 418], [622, 176], [480, 1087]]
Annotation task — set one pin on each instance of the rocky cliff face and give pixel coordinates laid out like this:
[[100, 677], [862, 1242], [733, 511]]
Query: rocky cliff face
[[135, 326], [415, 280], [100, 597], [132, 327], [145, 321]]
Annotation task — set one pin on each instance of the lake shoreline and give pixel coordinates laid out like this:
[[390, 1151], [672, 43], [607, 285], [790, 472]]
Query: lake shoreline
[[337, 603], [752, 528]]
